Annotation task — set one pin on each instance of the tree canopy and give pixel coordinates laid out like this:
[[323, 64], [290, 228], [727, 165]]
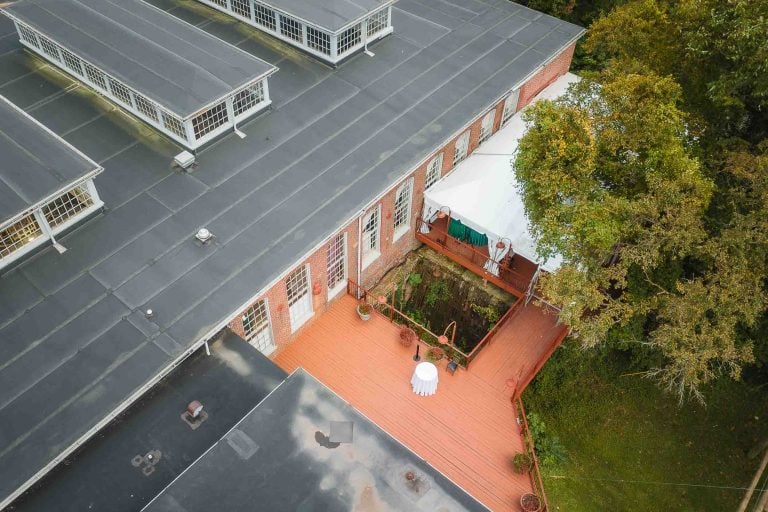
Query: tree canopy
[[650, 180]]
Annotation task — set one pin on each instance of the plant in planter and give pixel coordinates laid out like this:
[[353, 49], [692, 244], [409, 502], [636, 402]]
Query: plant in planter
[[435, 354], [364, 310], [530, 503], [522, 463], [407, 336]]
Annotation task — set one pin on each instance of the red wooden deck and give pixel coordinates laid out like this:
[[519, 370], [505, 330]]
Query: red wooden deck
[[515, 273], [468, 430]]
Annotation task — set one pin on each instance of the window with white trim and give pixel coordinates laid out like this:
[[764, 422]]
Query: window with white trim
[[403, 203], [121, 92], [291, 28], [209, 120], [377, 22], [28, 35], [96, 77], [248, 98], [220, 3], [146, 107], [434, 170], [486, 126], [337, 263], [318, 40], [242, 8], [371, 236], [265, 16], [510, 105], [49, 48], [460, 147], [19, 234], [173, 124], [299, 298], [349, 39], [257, 327], [72, 62], [67, 205]]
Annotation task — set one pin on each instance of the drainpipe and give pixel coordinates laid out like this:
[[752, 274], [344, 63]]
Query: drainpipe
[[359, 253]]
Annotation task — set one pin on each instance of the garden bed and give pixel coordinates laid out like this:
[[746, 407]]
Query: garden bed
[[434, 291]]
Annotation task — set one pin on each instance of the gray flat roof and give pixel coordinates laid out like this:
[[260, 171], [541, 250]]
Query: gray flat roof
[[172, 62], [329, 14], [284, 457], [74, 343], [100, 476], [34, 162]]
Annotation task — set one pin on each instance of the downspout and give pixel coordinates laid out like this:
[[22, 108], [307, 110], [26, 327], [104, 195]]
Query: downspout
[[359, 254]]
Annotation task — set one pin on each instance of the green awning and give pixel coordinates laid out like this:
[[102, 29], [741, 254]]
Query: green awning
[[466, 234]]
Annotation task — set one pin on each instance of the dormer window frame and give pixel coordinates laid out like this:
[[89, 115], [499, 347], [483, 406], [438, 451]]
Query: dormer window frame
[[269, 19], [184, 130]]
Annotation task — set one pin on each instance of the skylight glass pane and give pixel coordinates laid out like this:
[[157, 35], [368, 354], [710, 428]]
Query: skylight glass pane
[[349, 39], [19, 234]]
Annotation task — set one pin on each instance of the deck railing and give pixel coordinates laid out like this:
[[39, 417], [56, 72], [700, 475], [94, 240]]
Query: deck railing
[[426, 338], [495, 329], [473, 259], [535, 473]]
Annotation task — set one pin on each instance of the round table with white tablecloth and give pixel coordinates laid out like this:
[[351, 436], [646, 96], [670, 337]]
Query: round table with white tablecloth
[[424, 380]]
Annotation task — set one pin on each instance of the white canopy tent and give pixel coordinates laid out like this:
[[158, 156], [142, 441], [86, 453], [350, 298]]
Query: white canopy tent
[[482, 191]]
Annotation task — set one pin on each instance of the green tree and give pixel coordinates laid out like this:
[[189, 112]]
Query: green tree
[[716, 50], [609, 183]]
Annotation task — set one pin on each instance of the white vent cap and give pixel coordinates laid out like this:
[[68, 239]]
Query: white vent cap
[[203, 235], [184, 159]]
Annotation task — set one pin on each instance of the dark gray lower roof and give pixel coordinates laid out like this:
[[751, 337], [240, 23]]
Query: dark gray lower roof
[[100, 475], [283, 457], [74, 343], [34, 162], [328, 14], [175, 64]]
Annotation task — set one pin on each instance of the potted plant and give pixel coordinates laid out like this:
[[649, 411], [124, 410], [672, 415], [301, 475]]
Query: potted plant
[[407, 336], [364, 310], [522, 463], [435, 354], [530, 503]]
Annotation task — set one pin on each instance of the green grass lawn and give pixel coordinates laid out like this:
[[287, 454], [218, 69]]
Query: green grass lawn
[[627, 441]]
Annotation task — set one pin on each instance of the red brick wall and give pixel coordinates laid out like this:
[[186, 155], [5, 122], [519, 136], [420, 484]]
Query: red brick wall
[[548, 74], [391, 251]]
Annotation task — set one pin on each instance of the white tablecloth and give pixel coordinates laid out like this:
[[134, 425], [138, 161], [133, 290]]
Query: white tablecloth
[[424, 380]]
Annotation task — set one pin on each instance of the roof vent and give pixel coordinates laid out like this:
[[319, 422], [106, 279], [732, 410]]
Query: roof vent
[[204, 235], [185, 160]]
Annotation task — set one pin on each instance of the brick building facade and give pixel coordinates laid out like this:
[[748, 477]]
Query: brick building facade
[[392, 250]]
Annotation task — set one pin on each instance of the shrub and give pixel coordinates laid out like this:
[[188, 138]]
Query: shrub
[[435, 354], [548, 448], [407, 336], [522, 463], [364, 308]]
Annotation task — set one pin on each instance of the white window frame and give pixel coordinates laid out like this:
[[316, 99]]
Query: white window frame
[[47, 230], [510, 106], [380, 26], [486, 126], [370, 254], [296, 323], [461, 147], [401, 215], [184, 133], [434, 171], [254, 338], [341, 259]]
